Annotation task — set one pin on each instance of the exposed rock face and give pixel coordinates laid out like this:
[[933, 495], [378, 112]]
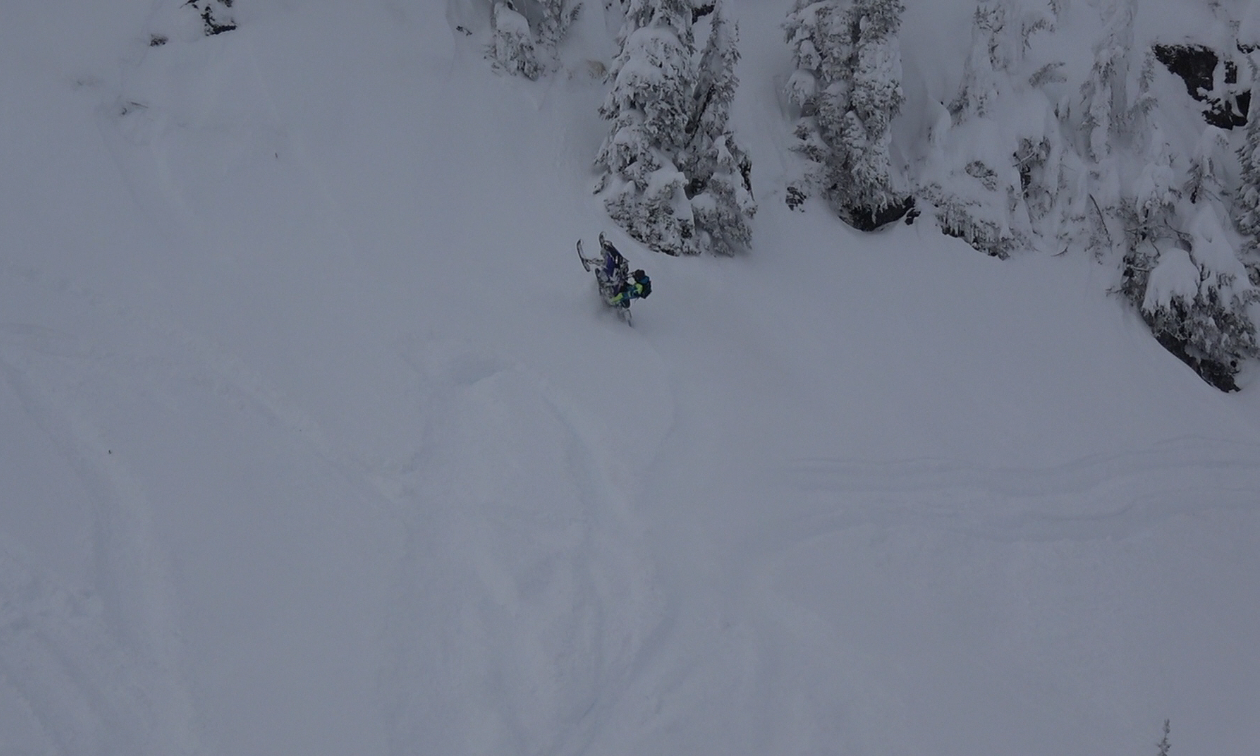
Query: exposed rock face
[[1196, 65]]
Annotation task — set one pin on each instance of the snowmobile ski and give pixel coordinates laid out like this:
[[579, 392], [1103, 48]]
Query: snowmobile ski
[[586, 264]]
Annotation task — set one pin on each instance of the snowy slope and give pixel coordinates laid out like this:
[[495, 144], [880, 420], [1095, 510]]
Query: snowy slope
[[314, 437]]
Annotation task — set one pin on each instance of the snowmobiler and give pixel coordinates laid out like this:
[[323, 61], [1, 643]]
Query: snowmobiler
[[617, 285]]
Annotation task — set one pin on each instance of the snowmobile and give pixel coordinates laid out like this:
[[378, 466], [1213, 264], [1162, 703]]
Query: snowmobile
[[617, 284]]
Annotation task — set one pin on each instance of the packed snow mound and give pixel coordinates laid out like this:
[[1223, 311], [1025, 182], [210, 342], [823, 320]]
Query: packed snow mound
[[1174, 277]]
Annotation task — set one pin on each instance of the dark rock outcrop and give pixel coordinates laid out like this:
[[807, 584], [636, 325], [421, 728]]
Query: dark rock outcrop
[[1196, 66]]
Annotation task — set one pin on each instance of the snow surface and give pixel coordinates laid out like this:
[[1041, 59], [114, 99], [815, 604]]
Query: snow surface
[[315, 438]]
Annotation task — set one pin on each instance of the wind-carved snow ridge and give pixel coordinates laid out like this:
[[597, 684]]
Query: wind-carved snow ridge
[[522, 599]]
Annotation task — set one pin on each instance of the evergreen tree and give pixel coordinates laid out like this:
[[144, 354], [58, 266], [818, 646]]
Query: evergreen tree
[[1149, 216], [650, 105], [1180, 268], [1155, 193], [1205, 181], [216, 15], [991, 183], [990, 53], [555, 18], [1246, 209], [718, 170], [1105, 124], [1104, 92], [1164, 745], [1001, 31], [1195, 301], [848, 88], [513, 48], [527, 33]]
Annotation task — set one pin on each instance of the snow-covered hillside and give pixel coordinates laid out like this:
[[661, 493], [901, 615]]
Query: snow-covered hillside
[[315, 437]]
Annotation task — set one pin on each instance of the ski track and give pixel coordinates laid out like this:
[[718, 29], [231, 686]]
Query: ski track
[[545, 595], [870, 531], [569, 596], [65, 652], [519, 606], [1102, 496], [740, 665], [526, 612]]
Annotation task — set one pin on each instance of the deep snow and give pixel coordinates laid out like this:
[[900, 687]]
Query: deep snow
[[316, 439]]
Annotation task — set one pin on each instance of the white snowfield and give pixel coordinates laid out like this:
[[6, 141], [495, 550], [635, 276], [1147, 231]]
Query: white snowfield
[[315, 438]]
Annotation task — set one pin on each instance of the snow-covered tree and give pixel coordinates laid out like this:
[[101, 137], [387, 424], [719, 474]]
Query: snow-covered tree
[[718, 170], [555, 18], [650, 105], [1001, 33], [527, 33], [1015, 161], [513, 47], [847, 85], [818, 33], [990, 53], [1111, 129], [1149, 216], [1195, 299], [216, 15], [1206, 181], [1180, 268], [1039, 161], [994, 172], [1246, 209], [1104, 92], [1156, 192]]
